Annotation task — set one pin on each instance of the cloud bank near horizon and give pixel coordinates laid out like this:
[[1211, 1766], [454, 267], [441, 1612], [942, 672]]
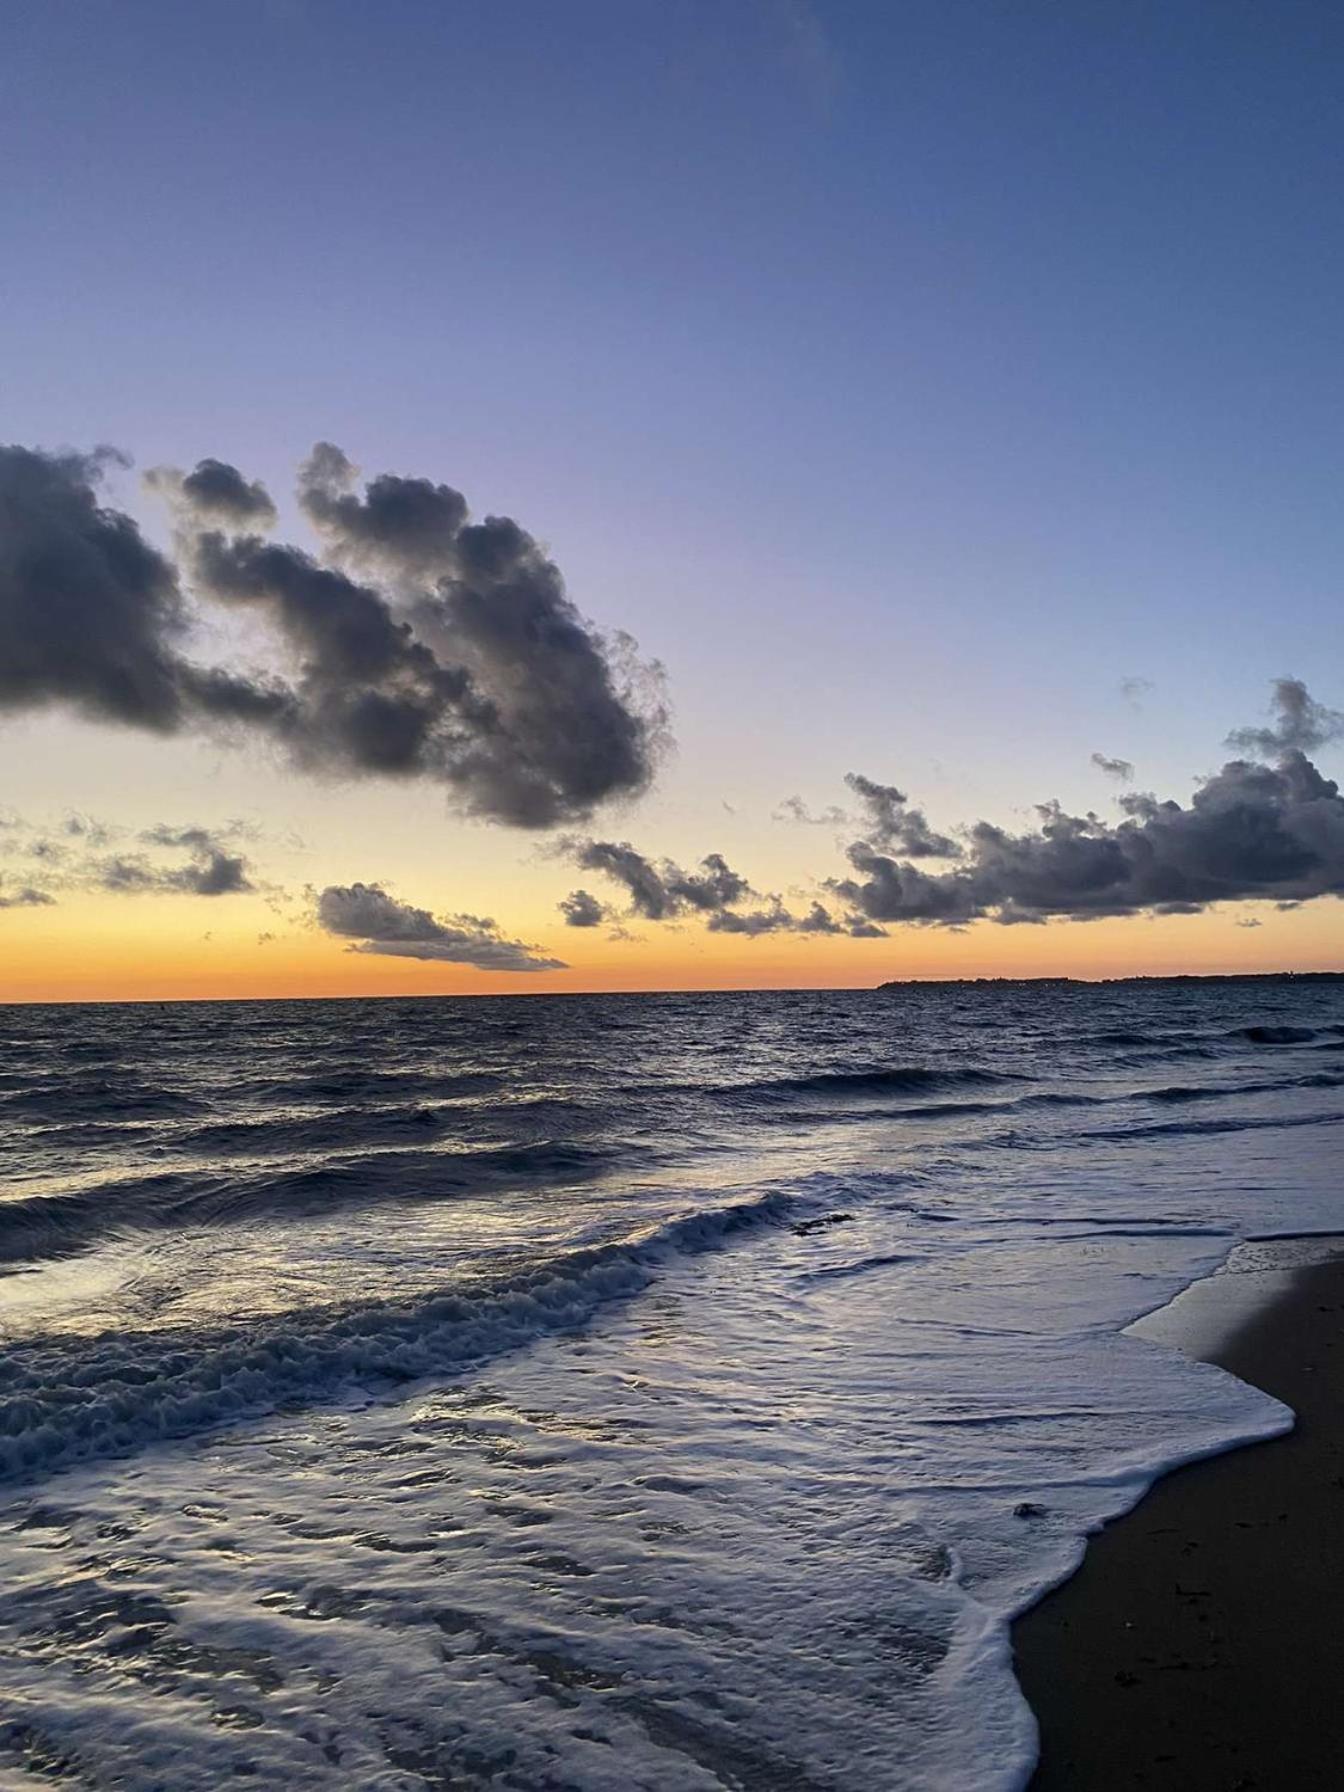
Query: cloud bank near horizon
[[417, 645], [376, 923], [1251, 832]]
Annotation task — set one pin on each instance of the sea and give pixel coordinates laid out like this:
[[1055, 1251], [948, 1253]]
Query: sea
[[667, 1392]]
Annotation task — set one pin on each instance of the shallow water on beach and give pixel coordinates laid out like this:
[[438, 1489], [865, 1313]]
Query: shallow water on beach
[[609, 1392]]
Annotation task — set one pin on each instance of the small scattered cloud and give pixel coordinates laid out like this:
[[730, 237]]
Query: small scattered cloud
[[1113, 768], [1300, 724], [210, 869], [580, 909], [1134, 690], [794, 809]]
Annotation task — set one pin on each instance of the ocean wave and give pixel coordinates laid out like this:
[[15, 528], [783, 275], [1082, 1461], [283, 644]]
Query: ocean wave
[[903, 1078], [1243, 1123], [361, 1082], [64, 1101], [1178, 1092], [34, 1227], [72, 1399], [1276, 1035]]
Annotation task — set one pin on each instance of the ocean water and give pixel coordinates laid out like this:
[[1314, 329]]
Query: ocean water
[[669, 1392]]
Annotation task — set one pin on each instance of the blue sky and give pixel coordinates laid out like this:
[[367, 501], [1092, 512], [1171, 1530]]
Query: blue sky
[[904, 376]]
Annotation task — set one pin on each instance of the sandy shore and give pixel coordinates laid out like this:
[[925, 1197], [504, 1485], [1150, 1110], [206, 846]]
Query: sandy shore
[[1201, 1644]]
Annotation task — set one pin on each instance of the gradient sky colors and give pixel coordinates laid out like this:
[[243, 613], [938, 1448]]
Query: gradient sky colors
[[945, 392]]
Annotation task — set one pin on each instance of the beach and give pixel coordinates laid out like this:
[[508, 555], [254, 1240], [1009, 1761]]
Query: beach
[[1199, 1646]]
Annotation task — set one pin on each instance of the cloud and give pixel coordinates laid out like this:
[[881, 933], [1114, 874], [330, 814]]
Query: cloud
[[26, 897], [891, 822], [210, 871], [1301, 724], [406, 528], [89, 613], [84, 827], [582, 910], [1113, 768], [78, 860], [1134, 690], [753, 922], [377, 923], [1251, 832], [215, 492], [659, 890], [794, 809], [421, 646]]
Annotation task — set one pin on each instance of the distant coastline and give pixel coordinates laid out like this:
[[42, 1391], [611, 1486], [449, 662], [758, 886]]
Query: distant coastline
[[1099, 982]]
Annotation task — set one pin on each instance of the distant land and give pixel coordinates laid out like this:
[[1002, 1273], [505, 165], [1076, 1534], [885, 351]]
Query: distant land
[[1097, 982]]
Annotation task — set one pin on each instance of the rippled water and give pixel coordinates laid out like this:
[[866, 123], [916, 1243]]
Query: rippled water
[[636, 1391]]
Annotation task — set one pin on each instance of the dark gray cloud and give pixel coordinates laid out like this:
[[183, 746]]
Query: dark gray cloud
[[581, 909], [1251, 832], [714, 887], [1301, 724], [90, 614], [660, 890], [215, 492], [751, 923], [891, 822], [1113, 768], [407, 528], [459, 658], [210, 870], [564, 716], [377, 923]]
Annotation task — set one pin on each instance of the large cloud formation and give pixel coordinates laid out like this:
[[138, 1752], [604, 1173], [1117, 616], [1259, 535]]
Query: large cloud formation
[[419, 645], [1251, 832], [377, 923]]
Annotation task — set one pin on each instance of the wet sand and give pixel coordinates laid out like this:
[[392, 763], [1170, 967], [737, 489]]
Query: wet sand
[[1201, 1644]]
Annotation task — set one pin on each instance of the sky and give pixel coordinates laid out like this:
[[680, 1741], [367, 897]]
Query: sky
[[932, 395]]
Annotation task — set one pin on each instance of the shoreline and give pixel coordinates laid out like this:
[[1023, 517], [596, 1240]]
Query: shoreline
[[1197, 1647]]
